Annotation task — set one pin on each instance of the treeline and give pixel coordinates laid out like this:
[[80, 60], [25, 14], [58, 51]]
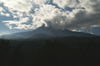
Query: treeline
[[51, 53], [4, 51]]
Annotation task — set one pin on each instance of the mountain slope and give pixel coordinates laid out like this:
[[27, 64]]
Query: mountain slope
[[50, 32], [10, 36], [39, 36], [41, 30]]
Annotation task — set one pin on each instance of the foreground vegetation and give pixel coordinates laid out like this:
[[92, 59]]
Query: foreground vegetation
[[62, 52]]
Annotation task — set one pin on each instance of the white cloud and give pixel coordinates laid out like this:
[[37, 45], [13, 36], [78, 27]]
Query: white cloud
[[85, 14], [19, 23], [46, 12], [66, 3], [1, 9], [17, 5], [5, 14], [21, 9], [24, 26]]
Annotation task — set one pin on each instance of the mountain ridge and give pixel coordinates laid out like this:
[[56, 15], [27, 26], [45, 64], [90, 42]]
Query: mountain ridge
[[50, 32]]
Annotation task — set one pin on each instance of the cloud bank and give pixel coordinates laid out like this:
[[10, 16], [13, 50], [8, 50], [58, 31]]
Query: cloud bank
[[31, 14]]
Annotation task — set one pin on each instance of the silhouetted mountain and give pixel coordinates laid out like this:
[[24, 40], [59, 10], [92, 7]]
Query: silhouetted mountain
[[48, 32], [41, 30], [52, 32]]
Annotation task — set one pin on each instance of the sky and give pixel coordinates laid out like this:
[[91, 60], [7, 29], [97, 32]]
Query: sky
[[26, 15]]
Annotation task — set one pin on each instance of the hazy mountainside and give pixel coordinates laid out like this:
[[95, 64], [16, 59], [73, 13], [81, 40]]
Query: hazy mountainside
[[10, 36], [46, 32], [40, 36]]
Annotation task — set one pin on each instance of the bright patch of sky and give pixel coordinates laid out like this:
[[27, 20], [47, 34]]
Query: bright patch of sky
[[23, 15]]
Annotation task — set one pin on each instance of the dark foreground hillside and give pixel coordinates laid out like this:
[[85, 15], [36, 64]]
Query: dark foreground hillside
[[66, 51]]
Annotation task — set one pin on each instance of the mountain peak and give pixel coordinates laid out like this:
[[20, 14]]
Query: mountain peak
[[43, 25]]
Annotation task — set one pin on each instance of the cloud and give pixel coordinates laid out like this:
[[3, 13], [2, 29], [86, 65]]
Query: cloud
[[20, 9], [17, 5], [82, 18], [5, 14], [2, 10], [45, 12], [84, 14], [67, 3], [19, 23]]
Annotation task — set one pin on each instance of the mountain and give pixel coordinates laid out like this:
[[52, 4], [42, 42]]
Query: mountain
[[41, 30], [47, 32], [40, 36]]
